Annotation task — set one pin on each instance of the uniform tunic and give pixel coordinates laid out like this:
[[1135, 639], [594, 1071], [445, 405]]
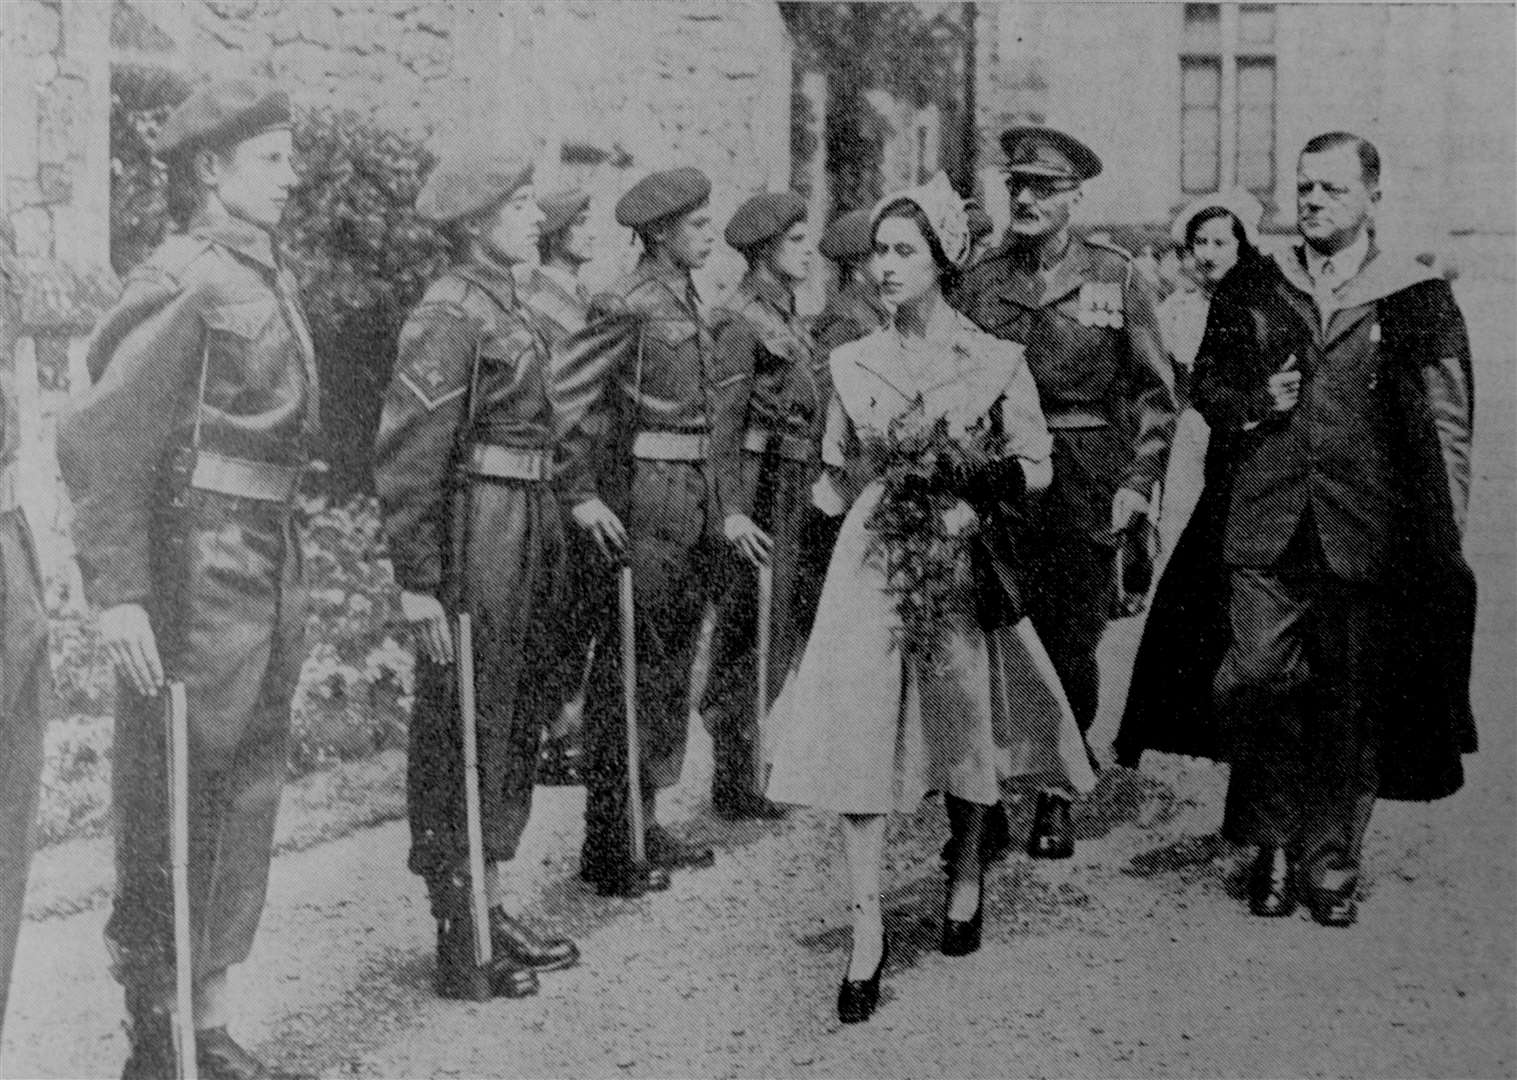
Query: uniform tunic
[[206, 353], [642, 366], [767, 416], [1093, 345], [471, 374], [26, 684], [864, 728]]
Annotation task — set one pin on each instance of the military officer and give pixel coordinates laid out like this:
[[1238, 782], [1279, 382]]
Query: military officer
[[183, 460], [559, 302], [767, 413], [25, 682], [463, 465], [634, 396], [1087, 321]]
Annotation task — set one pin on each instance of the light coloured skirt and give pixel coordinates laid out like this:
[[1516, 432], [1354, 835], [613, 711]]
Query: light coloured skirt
[[861, 730]]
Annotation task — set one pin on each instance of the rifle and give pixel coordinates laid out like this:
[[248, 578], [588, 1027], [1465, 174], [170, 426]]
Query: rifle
[[761, 705], [629, 699], [479, 909], [176, 720]]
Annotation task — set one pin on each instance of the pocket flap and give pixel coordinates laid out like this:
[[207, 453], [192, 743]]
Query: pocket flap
[[246, 319]]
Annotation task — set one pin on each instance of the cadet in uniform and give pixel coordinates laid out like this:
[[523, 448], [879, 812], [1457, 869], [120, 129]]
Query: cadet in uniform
[[184, 460], [26, 684], [1087, 320], [634, 396], [765, 428], [463, 467], [559, 302]]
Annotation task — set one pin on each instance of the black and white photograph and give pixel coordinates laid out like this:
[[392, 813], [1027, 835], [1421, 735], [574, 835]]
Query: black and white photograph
[[758, 538]]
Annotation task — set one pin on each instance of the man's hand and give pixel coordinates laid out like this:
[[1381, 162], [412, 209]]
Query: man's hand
[[1285, 386], [745, 535], [960, 518], [430, 623], [1127, 504], [604, 527], [132, 646]]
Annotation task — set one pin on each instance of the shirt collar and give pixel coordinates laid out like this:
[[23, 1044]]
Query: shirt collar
[[1346, 263], [566, 281], [677, 281], [238, 236], [770, 291], [495, 278]]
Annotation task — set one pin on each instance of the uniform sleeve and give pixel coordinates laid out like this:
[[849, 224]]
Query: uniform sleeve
[[583, 405], [424, 409], [114, 438], [835, 331], [1027, 434], [1446, 373], [1148, 397], [735, 346]]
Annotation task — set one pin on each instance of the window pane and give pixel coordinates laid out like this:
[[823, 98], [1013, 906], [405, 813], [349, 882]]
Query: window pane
[[1256, 24], [1203, 28], [1256, 124], [1201, 82], [1256, 84], [1200, 156]]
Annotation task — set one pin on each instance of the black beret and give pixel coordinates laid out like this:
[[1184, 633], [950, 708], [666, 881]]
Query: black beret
[[763, 217], [562, 207], [222, 113], [849, 238], [1045, 151], [469, 181], [662, 195]]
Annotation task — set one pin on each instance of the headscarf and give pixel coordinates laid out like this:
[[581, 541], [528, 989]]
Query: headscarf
[[945, 211], [1237, 202]]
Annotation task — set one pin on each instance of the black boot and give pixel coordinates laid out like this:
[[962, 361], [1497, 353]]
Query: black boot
[[667, 852], [151, 1037], [459, 975], [219, 1057], [1271, 892], [1053, 835], [515, 940]]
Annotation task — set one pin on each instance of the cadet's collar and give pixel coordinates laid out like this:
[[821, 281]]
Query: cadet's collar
[[770, 290], [494, 277], [674, 278], [238, 236], [564, 279]]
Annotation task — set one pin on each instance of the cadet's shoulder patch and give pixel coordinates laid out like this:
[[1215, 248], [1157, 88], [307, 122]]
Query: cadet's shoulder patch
[[436, 353]]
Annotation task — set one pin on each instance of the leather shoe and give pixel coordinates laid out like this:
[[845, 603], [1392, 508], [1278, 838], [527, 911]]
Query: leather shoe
[[1269, 885], [745, 806], [518, 942], [459, 976], [624, 879], [219, 1057], [1334, 907], [1053, 834], [857, 999], [963, 938], [671, 854]]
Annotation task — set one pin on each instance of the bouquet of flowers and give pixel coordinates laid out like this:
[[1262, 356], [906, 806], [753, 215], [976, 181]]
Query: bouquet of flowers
[[915, 537]]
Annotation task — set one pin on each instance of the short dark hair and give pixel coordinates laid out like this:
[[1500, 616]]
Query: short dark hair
[[653, 232], [1369, 157], [910, 211], [1211, 213]]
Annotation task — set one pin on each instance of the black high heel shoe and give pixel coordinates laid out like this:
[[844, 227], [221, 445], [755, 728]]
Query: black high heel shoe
[[857, 999], [960, 938]]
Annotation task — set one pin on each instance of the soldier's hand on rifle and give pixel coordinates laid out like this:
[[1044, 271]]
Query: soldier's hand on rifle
[[132, 646], [429, 621], [604, 526], [745, 535], [1127, 505]]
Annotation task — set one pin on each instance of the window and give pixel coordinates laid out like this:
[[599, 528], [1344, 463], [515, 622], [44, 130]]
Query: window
[[1227, 97]]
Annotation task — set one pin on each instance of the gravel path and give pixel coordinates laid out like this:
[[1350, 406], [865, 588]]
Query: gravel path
[[1134, 959]]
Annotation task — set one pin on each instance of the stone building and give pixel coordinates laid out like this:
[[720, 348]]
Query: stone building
[[1184, 98]]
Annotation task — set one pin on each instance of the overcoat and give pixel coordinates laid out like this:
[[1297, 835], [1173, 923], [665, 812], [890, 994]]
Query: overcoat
[[1427, 722]]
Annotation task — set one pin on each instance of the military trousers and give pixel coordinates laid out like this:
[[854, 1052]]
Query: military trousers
[[228, 610], [507, 577], [1068, 595], [26, 685], [1297, 694], [730, 706], [677, 568]]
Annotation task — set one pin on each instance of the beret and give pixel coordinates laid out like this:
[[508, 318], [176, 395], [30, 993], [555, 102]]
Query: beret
[[1240, 204], [849, 238], [468, 181], [562, 207], [1045, 151], [662, 194], [980, 225], [222, 113], [763, 217]]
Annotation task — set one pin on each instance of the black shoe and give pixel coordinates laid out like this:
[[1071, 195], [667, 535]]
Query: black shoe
[[963, 938], [1334, 907], [624, 879], [668, 853], [511, 939], [1270, 894], [219, 1057], [744, 806], [1053, 835], [153, 1055], [857, 1000], [459, 976]]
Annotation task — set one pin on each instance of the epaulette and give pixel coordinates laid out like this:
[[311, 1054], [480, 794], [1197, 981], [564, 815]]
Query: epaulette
[[1115, 249], [451, 296], [169, 263]]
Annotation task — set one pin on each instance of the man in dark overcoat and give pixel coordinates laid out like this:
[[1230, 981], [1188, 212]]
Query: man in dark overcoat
[[1337, 648], [1086, 318]]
